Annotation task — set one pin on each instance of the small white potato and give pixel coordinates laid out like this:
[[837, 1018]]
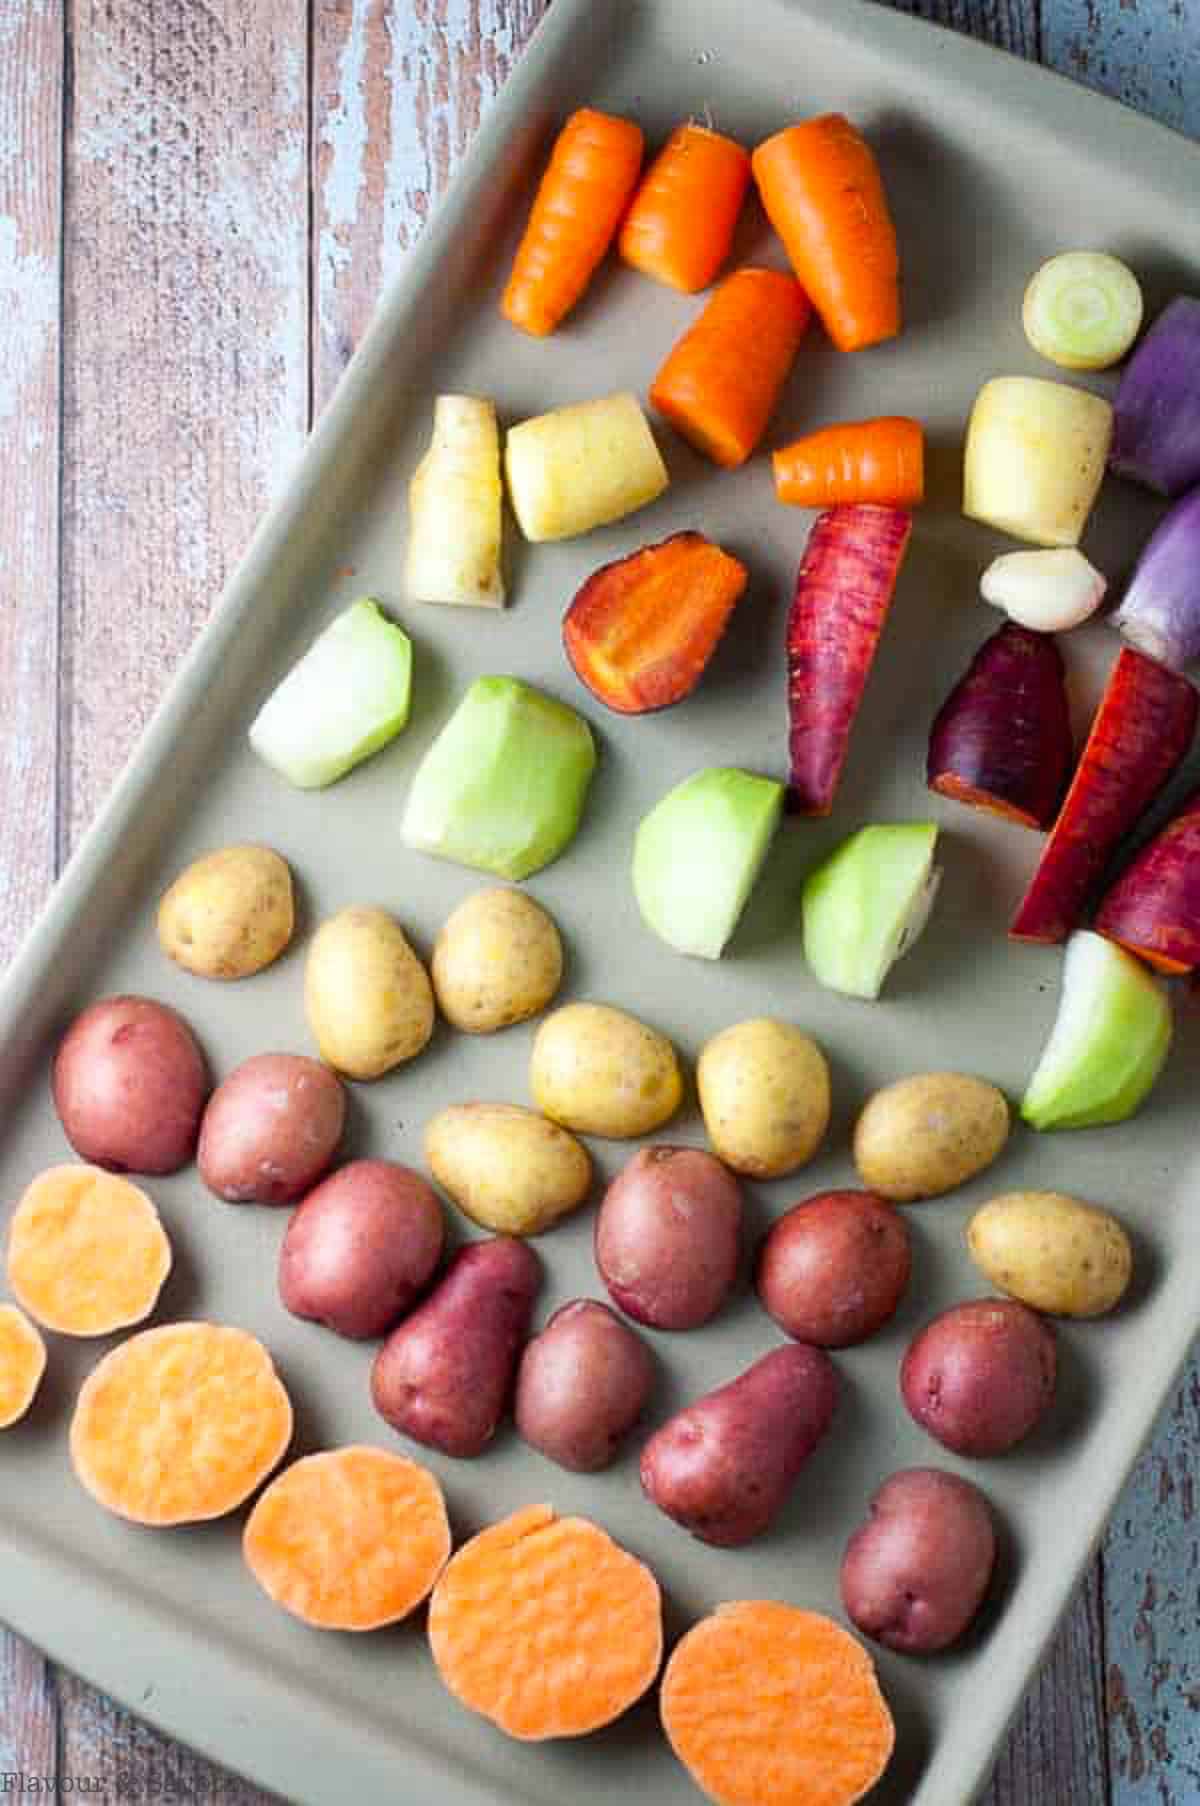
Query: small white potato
[[507, 1168], [367, 996], [498, 960], [1053, 1252], [764, 1094], [229, 913], [924, 1135], [582, 466], [1049, 591], [455, 508], [1035, 458], [601, 1072]]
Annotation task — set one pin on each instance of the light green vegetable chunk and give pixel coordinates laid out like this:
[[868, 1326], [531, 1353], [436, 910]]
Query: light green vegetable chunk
[[1108, 1044], [868, 904], [502, 787], [698, 853], [1083, 310], [347, 697]]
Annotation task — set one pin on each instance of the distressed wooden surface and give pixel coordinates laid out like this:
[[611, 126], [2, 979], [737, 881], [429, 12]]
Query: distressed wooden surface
[[240, 177]]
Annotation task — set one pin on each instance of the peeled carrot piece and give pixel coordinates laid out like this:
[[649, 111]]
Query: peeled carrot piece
[[22, 1364], [859, 461], [592, 172], [546, 1626], [349, 1539], [766, 1705], [721, 381], [179, 1423], [822, 191], [87, 1253], [680, 226]]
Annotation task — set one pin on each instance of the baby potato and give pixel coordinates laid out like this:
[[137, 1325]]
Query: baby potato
[[367, 996], [228, 914], [1052, 1252], [506, 1167], [764, 1093], [598, 1071], [924, 1135], [498, 960]]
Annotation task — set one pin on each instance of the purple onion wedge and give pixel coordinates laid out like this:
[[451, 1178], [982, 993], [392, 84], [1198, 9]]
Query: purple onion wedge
[[1161, 610], [1157, 435]]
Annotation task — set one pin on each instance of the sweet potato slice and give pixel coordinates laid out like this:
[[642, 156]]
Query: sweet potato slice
[[180, 1423], [86, 1251], [766, 1705], [349, 1539], [546, 1626], [22, 1364]]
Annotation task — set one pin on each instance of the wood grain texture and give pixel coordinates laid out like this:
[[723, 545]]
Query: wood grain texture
[[1144, 52], [28, 1710], [133, 1763], [1010, 24]]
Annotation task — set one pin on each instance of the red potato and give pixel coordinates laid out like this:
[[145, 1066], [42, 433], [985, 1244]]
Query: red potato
[[1002, 739], [668, 1235], [843, 592], [980, 1376], [130, 1084], [1154, 907], [582, 1385], [271, 1129], [361, 1248], [834, 1268], [723, 1467], [444, 1377], [915, 1574], [1143, 728]]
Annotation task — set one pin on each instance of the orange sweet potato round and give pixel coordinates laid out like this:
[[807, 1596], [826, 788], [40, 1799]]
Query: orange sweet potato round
[[22, 1364], [86, 1251]]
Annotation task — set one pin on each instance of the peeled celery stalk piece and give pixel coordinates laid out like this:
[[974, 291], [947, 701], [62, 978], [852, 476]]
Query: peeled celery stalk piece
[[1108, 1044], [502, 787], [698, 853], [348, 696], [868, 904]]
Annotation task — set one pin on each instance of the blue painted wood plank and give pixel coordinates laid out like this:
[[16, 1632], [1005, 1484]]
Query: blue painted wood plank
[[1145, 52]]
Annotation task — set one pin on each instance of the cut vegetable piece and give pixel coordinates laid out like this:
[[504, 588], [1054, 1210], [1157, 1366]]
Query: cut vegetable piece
[[1109, 1042], [348, 696], [1002, 738], [721, 380], [1046, 591], [698, 853], [546, 1626], [641, 630], [502, 787], [1035, 458], [349, 1539], [454, 508], [822, 191], [767, 1705], [1083, 310], [582, 466], [680, 225], [179, 1424], [1142, 729], [87, 1253], [22, 1364], [858, 461], [1154, 907], [868, 904], [843, 592], [1161, 610], [1157, 437], [592, 172]]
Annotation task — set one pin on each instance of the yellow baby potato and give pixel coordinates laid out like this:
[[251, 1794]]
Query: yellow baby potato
[[600, 1072], [498, 960], [228, 914], [924, 1135], [509, 1169], [367, 995], [1054, 1253], [764, 1092]]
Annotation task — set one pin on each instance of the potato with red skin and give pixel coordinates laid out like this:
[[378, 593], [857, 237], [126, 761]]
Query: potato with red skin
[[445, 1376], [668, 1235], [980, 1376], [833, 1269], [271, 1129], [724, 1466], [361, 1248], [130, 1085], [582, 1385], [915, 1574]]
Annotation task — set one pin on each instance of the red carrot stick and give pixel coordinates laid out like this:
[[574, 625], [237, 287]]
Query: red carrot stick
[[1154, 907]]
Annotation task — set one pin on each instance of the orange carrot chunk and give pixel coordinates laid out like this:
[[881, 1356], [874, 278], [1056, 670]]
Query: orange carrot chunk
[[592, 172], [766, 1705], [822, 191], [349, 1539], [858, 461], [721, 381], [22, 1364], [546, 1626], [87, 1253], [680, 226]]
